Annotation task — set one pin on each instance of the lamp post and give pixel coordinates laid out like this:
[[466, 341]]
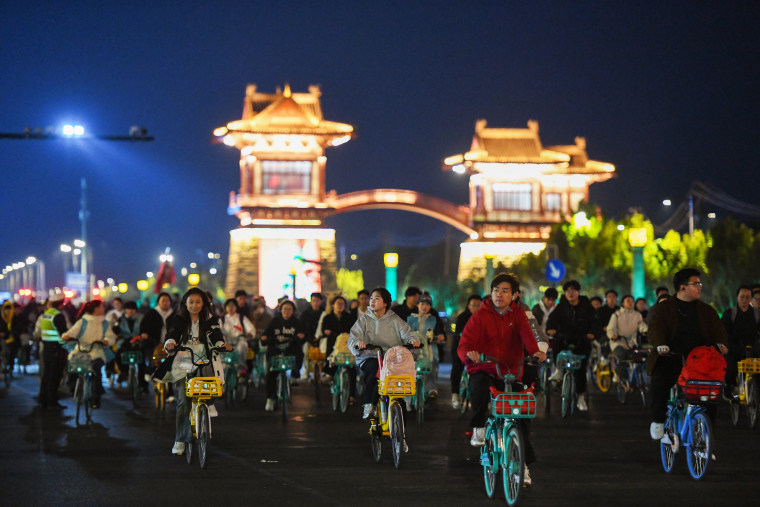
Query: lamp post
[[390, 260], [637, 238], [489, 254]]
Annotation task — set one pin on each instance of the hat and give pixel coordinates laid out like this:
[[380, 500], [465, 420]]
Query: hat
[[425, 298], [55, 295]]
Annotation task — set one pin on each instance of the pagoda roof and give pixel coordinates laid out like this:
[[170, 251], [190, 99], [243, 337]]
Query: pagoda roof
[[523, 145], [286, 113]]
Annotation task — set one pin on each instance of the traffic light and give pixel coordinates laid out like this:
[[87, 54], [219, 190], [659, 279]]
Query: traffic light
[[25, 293]]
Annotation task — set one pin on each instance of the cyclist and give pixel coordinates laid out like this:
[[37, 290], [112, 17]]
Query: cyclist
[[741, 322], [196, 327], [90, 327], [11, 327], [572, 323], [500, 328], [336, 321], [382, 327], [284, 329], [127, 329], [429, 327], [680, 322], [457, 366], [237, 329], [623, 330]]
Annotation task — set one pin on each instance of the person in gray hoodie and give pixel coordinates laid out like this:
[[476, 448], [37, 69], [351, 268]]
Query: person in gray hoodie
[[380, 327]]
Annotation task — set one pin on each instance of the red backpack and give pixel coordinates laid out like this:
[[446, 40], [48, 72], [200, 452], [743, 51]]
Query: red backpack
[[703, 363]]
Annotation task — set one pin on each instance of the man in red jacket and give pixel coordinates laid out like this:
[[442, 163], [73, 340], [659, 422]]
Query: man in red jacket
[[500, 328]]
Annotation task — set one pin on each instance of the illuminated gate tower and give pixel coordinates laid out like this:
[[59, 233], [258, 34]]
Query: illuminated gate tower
[[280, 247], [518, 190]]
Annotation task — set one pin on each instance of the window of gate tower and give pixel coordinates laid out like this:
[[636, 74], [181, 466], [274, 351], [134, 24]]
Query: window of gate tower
[[286, 177], [512, 196]]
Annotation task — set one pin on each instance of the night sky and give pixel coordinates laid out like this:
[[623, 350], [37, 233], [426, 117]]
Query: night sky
[[666, 91]]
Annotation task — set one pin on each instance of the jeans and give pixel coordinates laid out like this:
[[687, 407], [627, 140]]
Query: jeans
[[183, 431], [457, 367], [369, 368]]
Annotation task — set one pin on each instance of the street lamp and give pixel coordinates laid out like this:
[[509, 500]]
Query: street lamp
[[637, 238], [390, 260]]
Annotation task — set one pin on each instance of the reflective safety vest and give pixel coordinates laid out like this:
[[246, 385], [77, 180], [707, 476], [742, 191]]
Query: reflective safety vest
[[49, 331]]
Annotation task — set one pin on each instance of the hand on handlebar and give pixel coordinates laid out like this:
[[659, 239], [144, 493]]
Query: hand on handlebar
[[722, 348], [663, 350], [541, 356], [473, 356]]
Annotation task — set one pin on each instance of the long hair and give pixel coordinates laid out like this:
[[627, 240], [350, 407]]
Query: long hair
[[88, 307], [203, 318]]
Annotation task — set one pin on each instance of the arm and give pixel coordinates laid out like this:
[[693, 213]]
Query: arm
[[356, 338], [522, 326], [408, 336], [250, 329], [73, 332], [612, 333], [469, 344]]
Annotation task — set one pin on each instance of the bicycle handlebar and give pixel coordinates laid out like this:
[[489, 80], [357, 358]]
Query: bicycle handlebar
[[87, 351], [193, 355]]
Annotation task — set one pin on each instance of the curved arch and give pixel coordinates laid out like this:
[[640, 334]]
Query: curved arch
[[406, 200]]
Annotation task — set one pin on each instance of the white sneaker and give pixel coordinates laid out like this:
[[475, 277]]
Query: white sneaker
[[148, 377], [556, 376], [615, 377], [455, 401], [478, 437], [171, 399], [582, 404], [179, 448], [656, 430], [527, 481], [406, 447], [212, 411], [270, 405], [368, 411]]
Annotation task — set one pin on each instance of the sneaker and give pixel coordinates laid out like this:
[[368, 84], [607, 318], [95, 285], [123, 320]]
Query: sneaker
[[433, 394], [455, 402], [171, 399], [148, 377], [527, 481], [179, 448], [212, 411], [478, 437], [270, 405], [582, 404], [556, 376], [656, 430], [368, 411], [615, 378], [406, 447]]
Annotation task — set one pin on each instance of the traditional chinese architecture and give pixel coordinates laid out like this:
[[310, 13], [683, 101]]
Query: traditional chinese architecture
[[519, 189]]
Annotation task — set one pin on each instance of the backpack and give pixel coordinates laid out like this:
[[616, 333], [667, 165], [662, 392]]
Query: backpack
[[398, 361], [756, 311], [703, 363]]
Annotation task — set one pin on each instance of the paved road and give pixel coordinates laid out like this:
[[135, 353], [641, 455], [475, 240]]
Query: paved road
[[322, 458]]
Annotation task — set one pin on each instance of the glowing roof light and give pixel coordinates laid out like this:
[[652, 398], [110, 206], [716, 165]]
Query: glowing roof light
[[341, 140], [459, 169], [229, 140]]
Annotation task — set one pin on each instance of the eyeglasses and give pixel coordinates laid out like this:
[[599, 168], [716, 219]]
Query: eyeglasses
[[697, 284]]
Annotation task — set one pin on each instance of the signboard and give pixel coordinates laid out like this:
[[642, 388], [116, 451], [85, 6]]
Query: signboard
[[76, 281], [555, 270]]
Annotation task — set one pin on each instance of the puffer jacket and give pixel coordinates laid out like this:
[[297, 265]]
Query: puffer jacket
[[386, 332], [504, 336], [625, 324]]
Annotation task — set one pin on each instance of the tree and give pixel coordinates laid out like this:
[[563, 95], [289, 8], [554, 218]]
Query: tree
[[731, 261], [350, 282]]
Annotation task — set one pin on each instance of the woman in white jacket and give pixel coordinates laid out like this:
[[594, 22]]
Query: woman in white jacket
[[90, 327], [623, 330]]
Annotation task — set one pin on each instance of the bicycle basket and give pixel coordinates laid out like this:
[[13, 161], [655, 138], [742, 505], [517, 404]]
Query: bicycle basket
[[750, 365], [232, 357], [315, 354], [80, 363], [283, 363], [640, 355], [569, 361], [423, 366], [203, 387], [131, 357], [701, 390], [514, 405], [345, 359], [397, 385]]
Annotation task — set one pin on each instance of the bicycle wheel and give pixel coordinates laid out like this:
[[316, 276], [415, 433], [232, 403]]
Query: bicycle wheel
[[204, 433], [567, 394], [752, 401], [133, 388], [344, 390], [376, 443], [397, 433], [335, 392], [79, 397], [284, 385], [464, 394], [420, 402], [159, 392], [490, 457], [643, 387], [229, 387], [546, 387], [698, 452], [513, 463], [622, 392], [604, 377], [734, 407], [242, 389], [88, 398], [317, 380], [668, 450], [189, 452]]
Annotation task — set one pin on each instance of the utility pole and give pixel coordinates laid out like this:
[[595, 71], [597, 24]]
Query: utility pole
[[84, 214], [691, 215]]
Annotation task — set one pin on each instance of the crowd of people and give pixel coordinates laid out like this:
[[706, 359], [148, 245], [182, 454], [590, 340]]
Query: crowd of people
[[498, 326]]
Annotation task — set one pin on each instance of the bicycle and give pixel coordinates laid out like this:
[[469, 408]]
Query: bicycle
[[569, 363], [159, 388], [423, 367], [282, 364], [599, 367], [132, 358], [80, 364], [234, 388], [316, 361], [388, 420], [545, 385], [199, 390], [341, 388], [687, 425], [259, 364], [747, 389], [504, 446], [635, 377], [464, 392]]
